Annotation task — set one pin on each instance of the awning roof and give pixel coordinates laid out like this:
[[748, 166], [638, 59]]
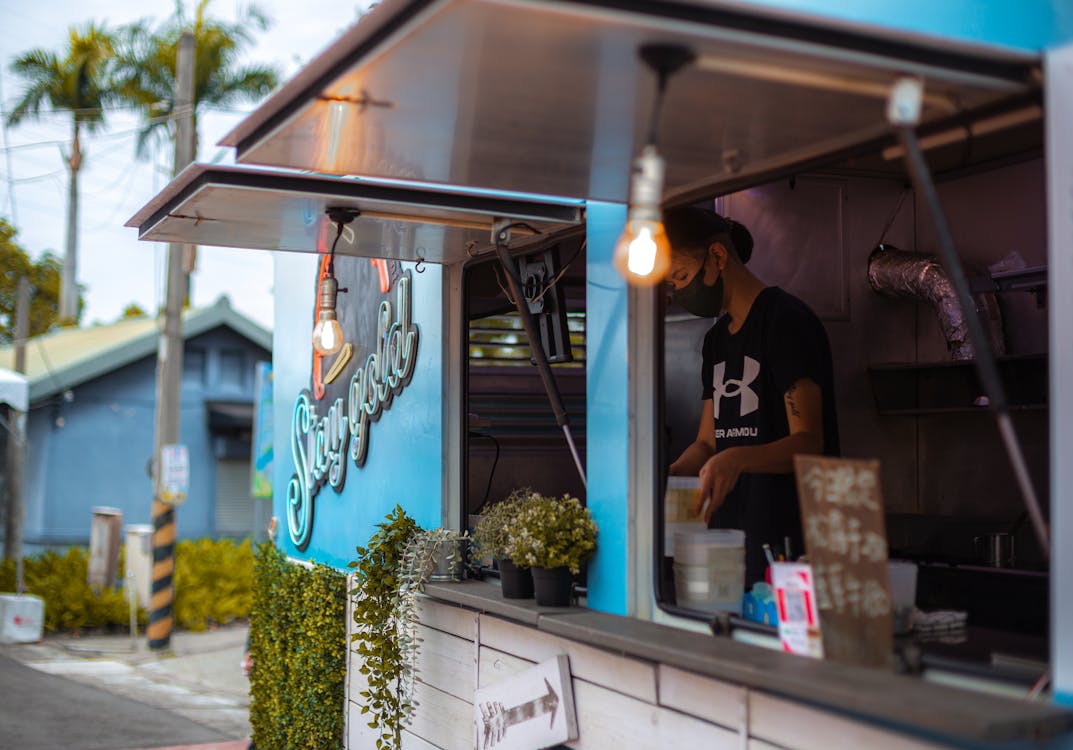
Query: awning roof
[[550, 97], [14, 390], [276, 210]]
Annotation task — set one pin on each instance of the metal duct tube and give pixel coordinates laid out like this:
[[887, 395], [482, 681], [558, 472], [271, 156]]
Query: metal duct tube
[[899, 274]]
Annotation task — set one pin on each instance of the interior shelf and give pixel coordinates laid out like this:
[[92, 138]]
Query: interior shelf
[[909, 389]]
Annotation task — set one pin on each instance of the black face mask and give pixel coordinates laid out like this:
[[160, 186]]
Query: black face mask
[[699, 298]]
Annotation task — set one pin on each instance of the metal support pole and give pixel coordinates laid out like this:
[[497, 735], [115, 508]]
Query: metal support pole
[[501, 236], [16, 444], [904, 113], [170, 367]]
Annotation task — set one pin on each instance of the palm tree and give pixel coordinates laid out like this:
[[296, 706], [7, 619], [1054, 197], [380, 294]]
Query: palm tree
[[146, 66], [77, 83]]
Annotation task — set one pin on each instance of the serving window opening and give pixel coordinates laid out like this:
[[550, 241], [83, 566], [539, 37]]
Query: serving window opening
[[512, 438], [907, 396]]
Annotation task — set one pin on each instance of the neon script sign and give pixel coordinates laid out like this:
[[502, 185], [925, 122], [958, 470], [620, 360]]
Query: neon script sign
[[320, 445]]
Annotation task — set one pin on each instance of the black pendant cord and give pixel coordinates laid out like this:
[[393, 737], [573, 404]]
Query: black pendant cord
[[510, 270], [657, 108], [985, 359]]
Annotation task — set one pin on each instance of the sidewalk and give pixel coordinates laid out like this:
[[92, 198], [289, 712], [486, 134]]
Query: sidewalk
[[200, 678]]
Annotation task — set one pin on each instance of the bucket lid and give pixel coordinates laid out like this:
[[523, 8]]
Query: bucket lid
[[710, 537], [683, 483]]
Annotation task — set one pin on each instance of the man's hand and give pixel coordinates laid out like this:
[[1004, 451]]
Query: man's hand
[[717, 478]]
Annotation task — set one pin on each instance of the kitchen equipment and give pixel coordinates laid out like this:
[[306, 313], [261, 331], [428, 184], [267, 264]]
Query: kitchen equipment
[[995, 550]]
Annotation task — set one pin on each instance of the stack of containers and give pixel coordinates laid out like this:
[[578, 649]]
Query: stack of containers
[[709, 569]]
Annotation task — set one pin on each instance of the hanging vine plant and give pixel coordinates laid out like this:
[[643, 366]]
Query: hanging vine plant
[[375, 619], [390, 573]]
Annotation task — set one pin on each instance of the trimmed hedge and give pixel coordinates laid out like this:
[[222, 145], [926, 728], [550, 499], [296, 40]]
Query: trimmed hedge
[[213, 584], [70, 604], [298, 645]]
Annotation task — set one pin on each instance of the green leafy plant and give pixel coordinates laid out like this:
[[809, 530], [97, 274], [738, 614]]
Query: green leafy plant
[[390, 573], [298, 645], [213, 582], [492, 532], [551, 532], [376, 619]]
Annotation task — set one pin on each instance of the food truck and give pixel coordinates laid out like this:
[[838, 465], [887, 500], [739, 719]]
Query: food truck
[[462, 169]]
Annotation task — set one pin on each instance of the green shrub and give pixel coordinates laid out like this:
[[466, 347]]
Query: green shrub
[[298, 645], [70, 604], [213, 582]]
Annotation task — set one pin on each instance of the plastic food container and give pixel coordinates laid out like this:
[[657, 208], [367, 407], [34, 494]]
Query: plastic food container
[[709, 569]]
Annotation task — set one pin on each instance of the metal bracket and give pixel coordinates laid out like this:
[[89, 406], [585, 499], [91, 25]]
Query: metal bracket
[[501, 232]]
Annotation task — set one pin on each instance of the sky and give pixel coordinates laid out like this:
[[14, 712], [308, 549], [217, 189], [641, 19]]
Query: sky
[[114, 266]]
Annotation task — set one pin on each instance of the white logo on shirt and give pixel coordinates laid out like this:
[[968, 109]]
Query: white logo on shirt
[[750, 402]]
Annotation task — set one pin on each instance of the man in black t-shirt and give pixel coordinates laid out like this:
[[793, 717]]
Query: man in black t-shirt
[[767, 386]]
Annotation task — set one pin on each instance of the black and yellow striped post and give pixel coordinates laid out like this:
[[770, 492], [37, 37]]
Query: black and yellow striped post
[[169, 368], [160, 617]]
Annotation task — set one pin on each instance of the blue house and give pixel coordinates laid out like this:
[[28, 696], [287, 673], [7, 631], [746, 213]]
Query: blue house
[[91, 422]]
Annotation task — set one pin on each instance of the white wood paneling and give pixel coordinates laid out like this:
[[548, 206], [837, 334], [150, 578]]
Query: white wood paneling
[[607, 719], [798, 727], [442, 719], [454, 620], [411, 741], [630, 676], [446, 662], [755, 744], [703, 697], [360, 736], [494, 666]]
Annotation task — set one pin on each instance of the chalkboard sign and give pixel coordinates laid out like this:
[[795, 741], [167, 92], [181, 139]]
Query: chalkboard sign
[[842, 515]]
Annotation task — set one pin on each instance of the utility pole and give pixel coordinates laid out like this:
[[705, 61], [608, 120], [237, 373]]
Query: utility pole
[[169, 366], [16, 444]]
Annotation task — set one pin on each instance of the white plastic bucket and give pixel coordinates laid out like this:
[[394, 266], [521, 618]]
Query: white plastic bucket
[[709, 569], [670, 529]]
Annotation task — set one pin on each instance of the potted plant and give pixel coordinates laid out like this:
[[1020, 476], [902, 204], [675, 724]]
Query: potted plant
[[390, 572], [491, 535], [553, 536]]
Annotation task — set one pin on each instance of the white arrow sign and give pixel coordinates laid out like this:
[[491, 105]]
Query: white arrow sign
[[530, 710]]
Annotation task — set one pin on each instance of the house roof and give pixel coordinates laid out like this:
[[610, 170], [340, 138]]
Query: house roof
[[66, 357]]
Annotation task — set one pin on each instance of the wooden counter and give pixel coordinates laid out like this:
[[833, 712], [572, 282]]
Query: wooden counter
[[774, 698]]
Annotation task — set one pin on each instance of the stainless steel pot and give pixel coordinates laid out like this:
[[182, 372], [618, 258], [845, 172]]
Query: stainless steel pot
[[995, 550]]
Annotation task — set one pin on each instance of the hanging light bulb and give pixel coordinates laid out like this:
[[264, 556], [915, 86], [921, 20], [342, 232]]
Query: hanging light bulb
[[327, 333], [643, 254]]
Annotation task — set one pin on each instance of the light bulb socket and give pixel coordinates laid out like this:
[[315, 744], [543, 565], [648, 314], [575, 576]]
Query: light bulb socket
[[329, 290], [646, 190]]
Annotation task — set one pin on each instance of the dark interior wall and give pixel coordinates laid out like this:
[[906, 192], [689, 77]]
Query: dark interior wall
[[945, 476]]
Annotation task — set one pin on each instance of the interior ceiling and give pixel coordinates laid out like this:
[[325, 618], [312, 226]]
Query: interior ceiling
[[276, 210], [550, 97]]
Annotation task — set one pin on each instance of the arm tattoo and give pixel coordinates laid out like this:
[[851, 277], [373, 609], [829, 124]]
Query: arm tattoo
[[790, 400]]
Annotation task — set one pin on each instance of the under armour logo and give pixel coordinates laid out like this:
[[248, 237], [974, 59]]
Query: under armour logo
[[750, 402]]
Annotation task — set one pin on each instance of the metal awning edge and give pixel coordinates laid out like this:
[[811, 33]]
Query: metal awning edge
[[391, 16], [197, 176], [375, 26]]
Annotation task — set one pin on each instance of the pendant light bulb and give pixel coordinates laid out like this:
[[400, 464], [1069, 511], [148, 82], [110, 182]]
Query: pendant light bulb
[[643, 253], [327, 333]]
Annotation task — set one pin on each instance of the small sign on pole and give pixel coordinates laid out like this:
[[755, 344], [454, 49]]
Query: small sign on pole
[[174, 474], [531, 710]]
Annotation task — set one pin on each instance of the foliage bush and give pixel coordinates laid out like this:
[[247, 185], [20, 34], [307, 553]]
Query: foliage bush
[[493, 531], [70, 604], [378, 621], [552, 532], [213, 584], [298, 645]]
